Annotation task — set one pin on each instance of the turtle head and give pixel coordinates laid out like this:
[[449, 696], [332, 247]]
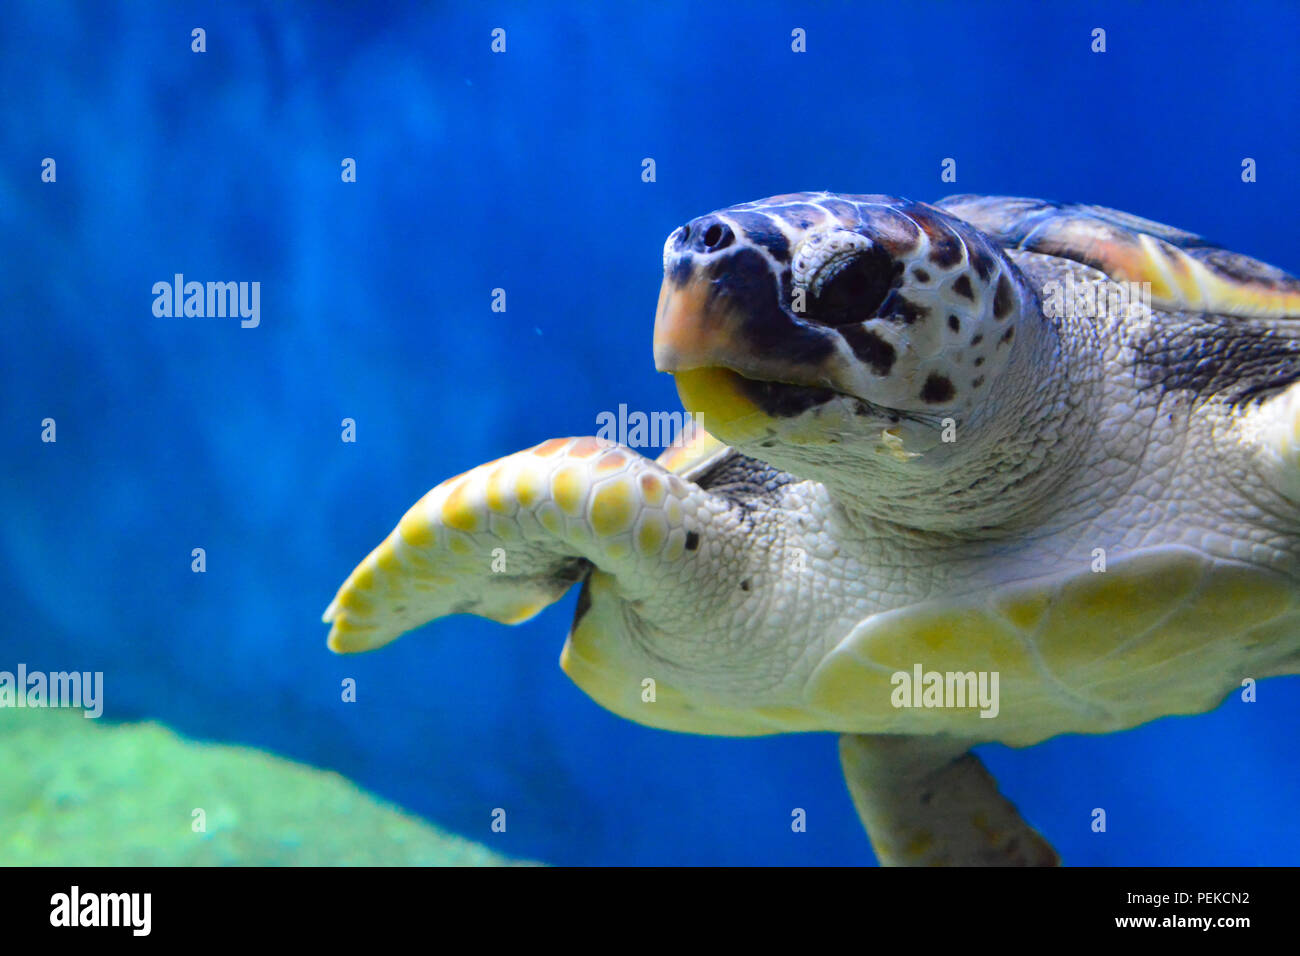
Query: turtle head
[[886, 307], [823, 332]]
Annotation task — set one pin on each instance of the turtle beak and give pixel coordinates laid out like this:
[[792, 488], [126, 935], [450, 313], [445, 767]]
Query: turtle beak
[[692, 328], [693, 340], [738, 356], [697, 324], [724, 309]]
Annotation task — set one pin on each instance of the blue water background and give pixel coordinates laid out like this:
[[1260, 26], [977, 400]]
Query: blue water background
[[522, 171]]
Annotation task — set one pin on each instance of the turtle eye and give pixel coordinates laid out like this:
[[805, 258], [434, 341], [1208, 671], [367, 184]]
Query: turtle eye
[[851, 289]]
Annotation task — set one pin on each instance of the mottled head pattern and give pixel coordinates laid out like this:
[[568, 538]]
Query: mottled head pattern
[[810, 296]]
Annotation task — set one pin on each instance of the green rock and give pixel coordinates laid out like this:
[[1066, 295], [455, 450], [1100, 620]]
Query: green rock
[[79, 792]]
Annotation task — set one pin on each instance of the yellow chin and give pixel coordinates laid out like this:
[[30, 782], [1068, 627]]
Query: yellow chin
[[714, 394]]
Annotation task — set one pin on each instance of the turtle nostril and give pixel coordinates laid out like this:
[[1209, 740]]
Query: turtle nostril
[[704, 235], [717, 235]]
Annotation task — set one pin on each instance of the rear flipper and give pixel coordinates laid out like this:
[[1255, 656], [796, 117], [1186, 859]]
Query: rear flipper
[[1277, 424], [507, 539], [928, 802]]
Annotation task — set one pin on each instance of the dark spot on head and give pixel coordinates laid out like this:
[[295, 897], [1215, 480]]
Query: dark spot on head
[[945, 248], [962, 287], [741, 279], [954, 323], [681, 270], [911, 311], [779, 400], [744, 585], [979, 360], [1006, 336], [870, 348], [761, 231], [982, 262], [937, 388], [921, 275], [889, 228], [692, 540], [800, 215], [845, 212], [899, 308], [1003, 299], [979, 337], [979, 380]]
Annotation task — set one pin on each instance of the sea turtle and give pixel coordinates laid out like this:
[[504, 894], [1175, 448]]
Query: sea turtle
[[959, 484]]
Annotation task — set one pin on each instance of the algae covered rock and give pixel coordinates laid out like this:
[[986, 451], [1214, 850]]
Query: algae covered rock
[[80, 792]]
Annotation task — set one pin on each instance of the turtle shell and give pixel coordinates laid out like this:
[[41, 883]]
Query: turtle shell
[[1185, 271]]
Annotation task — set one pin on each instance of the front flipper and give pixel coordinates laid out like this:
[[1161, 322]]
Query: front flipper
[[508, 538], [929, 802]]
